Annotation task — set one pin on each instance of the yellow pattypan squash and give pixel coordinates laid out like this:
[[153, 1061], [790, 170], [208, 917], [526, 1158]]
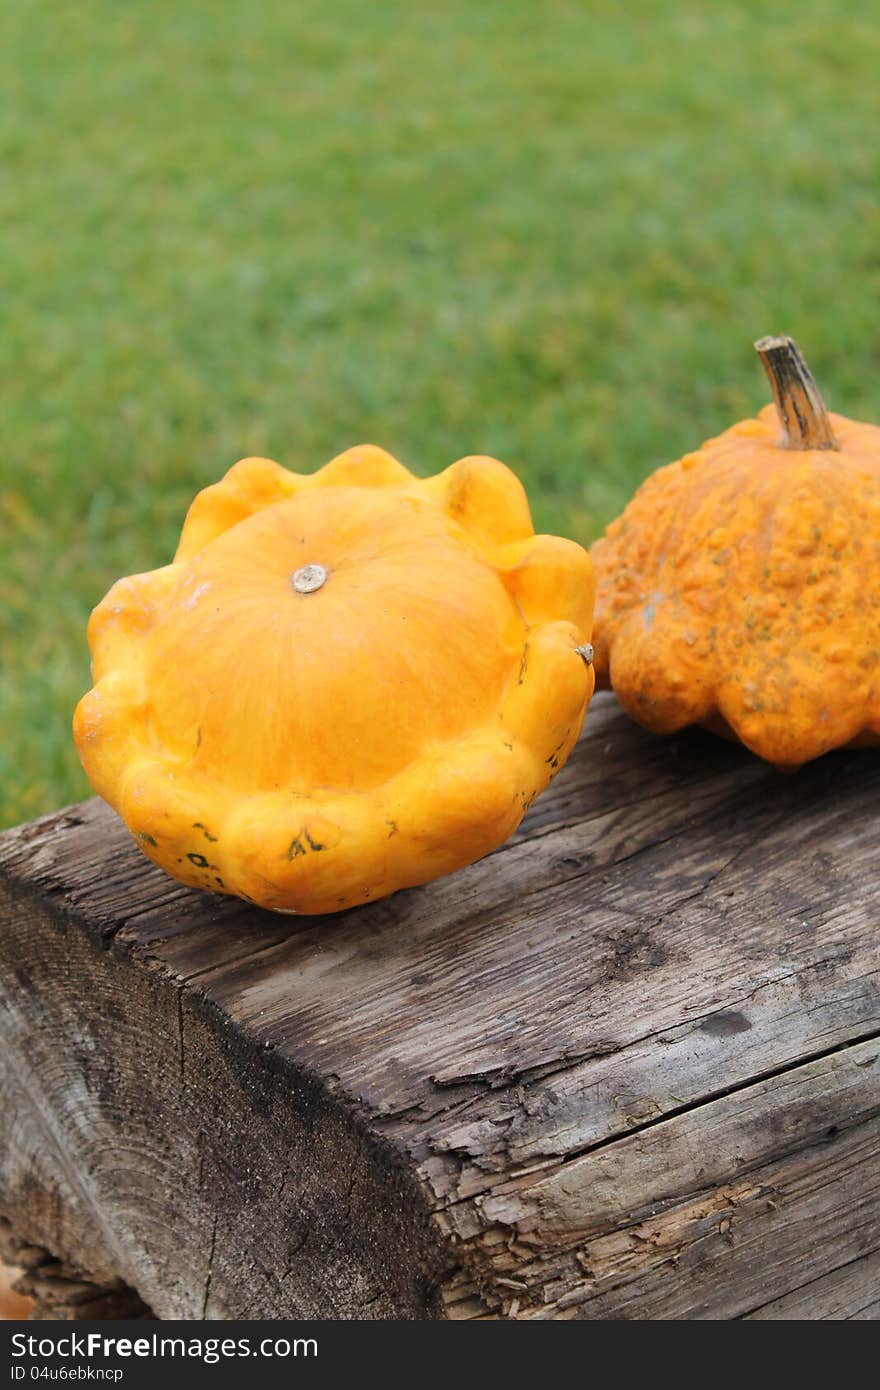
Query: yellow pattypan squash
[[345, 684]]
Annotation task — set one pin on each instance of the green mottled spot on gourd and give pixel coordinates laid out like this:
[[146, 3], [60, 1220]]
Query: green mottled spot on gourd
[[147, 839], [296, 846], [199, 860]]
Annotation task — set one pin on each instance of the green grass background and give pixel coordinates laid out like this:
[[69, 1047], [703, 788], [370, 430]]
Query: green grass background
[[546, 231]]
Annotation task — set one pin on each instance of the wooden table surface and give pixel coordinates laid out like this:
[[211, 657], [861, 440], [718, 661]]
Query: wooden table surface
[[628, 1066]]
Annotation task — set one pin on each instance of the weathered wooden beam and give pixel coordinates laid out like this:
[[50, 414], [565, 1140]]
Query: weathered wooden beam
[[627, 1066]]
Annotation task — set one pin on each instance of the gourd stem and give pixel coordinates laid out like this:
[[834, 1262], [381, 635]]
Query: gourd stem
[[799, 404]]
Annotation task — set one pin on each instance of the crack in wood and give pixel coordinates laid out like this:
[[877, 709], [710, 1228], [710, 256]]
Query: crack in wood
[[666, 1036], [513, 1175], [209, 1273], [180, 1042]]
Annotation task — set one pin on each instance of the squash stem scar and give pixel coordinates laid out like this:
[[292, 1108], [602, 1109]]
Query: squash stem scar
[[309, 578]]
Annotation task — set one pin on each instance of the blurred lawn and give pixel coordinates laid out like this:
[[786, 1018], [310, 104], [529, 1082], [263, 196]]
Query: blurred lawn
[[544, 231]]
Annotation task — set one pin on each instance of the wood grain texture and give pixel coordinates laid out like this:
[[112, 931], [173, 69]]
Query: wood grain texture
[[627, 1066], [851, 1292]]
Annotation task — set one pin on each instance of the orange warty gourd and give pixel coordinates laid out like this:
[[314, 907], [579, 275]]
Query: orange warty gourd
[[345, 684], [739, 589]]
